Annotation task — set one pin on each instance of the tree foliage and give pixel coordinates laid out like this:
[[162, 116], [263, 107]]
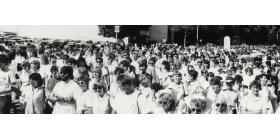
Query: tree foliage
[[125, 30], [249, 34]]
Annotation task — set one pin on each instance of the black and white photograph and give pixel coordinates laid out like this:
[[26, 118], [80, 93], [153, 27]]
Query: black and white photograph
[[121, 69], [139, 69]]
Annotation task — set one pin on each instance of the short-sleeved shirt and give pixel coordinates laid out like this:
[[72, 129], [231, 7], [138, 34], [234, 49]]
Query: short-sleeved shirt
[[66, 90]]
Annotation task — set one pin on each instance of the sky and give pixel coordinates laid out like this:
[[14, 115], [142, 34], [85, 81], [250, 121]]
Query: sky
[[76, 32]]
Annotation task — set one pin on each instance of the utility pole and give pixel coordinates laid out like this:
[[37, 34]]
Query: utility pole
[[197, 35]]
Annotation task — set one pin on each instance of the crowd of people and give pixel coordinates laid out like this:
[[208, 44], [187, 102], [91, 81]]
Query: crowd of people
[[113, 78]]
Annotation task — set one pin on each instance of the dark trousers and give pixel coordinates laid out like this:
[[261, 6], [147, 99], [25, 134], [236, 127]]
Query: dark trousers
[[5, 104]]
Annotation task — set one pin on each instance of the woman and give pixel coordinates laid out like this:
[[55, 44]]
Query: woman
[[33, 97], [221, 107], [249, 76], [267, 92], [197, 106], [24, 76], [254, 103], [96, 102], [165, 102]]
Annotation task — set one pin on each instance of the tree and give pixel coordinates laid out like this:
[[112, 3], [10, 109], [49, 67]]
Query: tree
[[125, 30], [187, 29]]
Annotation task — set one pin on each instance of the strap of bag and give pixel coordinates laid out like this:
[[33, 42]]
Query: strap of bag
[[138, 108]]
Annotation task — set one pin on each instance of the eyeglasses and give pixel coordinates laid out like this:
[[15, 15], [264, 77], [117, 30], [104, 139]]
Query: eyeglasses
[[163, 103], [97, 87], [221, 105], [98, 61], [81, 82], [196, 110], [63, 73]]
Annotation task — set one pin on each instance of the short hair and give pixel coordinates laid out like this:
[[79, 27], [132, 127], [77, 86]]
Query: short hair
[[193, 73], [54, 68], [36, 77], [99, 58], [118, 70], [124, 79], [68, 70], [166, 64], [255, 83], [156, 87], [249, 69], [258, 77], [238, 78], [26, 64], [71, 61], [36, 63], [233, 69], [215, 81], [125, 63]]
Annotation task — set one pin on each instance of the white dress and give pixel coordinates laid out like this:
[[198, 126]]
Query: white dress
[[34, 100]]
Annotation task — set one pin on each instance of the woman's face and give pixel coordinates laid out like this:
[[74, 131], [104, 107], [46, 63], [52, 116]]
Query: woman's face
[[83, 85], [177, 78], [164, 103], [34, 83], [221, 107], [263, 80], [172, 68], [216, 88], [100, 90], [26, 69], [249, 73], [255, 90], [81, 69]]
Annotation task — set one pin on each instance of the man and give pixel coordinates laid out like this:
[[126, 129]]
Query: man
[[130, 101], [143, 76], [66, 93], [6, 85]]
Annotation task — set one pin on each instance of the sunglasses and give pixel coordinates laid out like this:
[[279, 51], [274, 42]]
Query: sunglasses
[[221, 105], [81, 82], [63, 73], [96, 87], [163, 103], [196, 110]]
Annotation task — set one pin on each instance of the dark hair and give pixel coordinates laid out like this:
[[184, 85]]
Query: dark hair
[[124, 79], [233, 69], [167, 65], [36, 77], [54, 68], [193, 73], [37, 63], [118, 71], [238, 78], [125, 63], [71, 61], [99, 58], [68, 70], [258, 77], [249, 69], [255, 83], [215, 81], [156, 87]]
